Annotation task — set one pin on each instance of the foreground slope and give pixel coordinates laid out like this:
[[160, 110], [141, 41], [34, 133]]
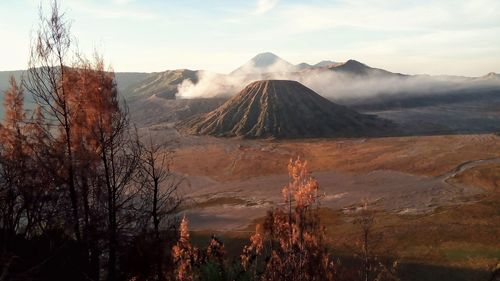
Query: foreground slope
[[283, 109]]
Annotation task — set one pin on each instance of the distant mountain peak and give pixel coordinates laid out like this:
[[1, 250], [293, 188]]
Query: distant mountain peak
[[352, 62], [266, 54], [490, 76], [304, 65], [326, 63], [265, 59], [354, 67], [321, 64], [263, 63]]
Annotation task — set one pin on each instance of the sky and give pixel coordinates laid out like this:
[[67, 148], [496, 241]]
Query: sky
[[455, 37]]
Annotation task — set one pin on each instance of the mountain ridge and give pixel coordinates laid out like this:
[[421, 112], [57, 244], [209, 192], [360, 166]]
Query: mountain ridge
[[165, 84]]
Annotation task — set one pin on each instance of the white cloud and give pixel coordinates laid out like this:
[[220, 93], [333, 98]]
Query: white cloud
[[121, 2], [327, 83], [410, 36], [113, 10], [391, 15], [264, 6]]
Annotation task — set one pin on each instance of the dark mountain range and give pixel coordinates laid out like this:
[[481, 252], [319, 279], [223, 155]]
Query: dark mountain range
[[359, 69], [283, 109], [321, 64], [327, 63]]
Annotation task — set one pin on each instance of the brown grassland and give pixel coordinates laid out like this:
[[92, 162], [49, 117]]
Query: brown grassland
[[421, 155]]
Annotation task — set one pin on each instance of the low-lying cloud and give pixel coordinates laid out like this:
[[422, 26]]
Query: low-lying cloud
[[340, 86]]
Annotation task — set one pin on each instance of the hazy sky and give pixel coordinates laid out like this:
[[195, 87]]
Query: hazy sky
[[460, 37]]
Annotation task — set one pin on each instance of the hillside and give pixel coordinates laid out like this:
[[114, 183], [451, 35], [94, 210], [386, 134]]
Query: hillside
[[123, 79], [161, 84], [283, 109]]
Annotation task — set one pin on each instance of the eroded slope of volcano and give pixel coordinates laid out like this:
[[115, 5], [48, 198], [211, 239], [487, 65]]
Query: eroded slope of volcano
[[283, 109]]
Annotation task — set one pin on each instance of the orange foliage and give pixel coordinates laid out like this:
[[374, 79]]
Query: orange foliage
[[216, 250], [92, 95], [13, 103], [292, 236], [12, 130], [184, 254]]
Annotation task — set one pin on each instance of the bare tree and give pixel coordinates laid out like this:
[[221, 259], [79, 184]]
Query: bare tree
[[47, 80], [365, 221], [95, 126], [373, 267], [159, 193], [161, 186], [43, 197], [120, 158]]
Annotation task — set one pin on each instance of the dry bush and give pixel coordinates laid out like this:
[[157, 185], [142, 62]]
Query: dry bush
[[291, 243], [185, 256]]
